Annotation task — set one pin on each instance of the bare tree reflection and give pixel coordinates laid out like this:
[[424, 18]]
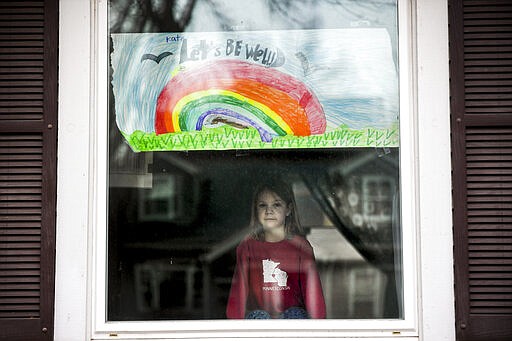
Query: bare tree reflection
[[150, 15]]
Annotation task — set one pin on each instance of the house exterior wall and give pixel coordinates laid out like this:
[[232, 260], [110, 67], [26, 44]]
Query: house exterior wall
[[73, 230], [78, 136]]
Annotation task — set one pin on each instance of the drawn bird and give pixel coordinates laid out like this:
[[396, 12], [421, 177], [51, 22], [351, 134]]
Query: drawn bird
[[155, 58], [307, 67], [304, 63]]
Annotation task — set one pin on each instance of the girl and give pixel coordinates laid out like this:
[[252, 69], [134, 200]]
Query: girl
[[275, 274]]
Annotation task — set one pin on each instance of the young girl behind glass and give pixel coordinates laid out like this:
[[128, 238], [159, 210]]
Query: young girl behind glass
[[275, 274]]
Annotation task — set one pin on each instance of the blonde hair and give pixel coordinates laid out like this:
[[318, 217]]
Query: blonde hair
[[292, 225]]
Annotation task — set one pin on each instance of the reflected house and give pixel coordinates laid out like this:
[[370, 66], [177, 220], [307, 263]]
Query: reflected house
[[357, 245], [364, 194]]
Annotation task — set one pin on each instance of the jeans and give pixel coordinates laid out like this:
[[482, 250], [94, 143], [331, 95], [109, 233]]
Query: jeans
[[290, 313]]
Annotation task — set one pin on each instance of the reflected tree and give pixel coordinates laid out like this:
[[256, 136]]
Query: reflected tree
[[150, 15]]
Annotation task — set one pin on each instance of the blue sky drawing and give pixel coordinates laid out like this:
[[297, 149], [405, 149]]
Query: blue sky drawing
[[350, 70]]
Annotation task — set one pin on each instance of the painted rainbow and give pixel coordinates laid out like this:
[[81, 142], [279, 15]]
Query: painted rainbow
[[242, 95]]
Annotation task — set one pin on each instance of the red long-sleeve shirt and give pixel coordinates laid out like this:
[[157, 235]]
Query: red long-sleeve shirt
[[274, 277]]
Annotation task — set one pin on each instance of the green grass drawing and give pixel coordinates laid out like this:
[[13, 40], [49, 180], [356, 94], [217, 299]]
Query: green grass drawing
[[226, 137]]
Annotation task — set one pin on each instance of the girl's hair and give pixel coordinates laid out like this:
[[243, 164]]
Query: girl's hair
[[284, 191]]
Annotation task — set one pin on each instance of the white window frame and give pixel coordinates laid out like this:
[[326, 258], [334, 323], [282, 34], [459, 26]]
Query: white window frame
[[406, 329]]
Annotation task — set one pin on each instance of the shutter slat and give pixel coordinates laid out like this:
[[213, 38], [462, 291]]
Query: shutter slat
[[21, 4], [20, 252], [479, 220], [468, 4], [25, 210], [491, 254], [488, 83], [19, 231], [487, 151], [492, 296], [485, 276], [13, 274], [20, 293], [27, 198], [6, 30], [490, 63], [504, 207], [486, 157], [491, 238], [492, 302], [490, 261], [480, 283], [18, 77], [487, 90], [504, 22], [17, 203], [480, 179], [489, 165], [25, 305], [481, 97], [485, 29], [493, 169], [491, 289], [486, 13], [14, 37], [492, 311], [488, 9], [488, 226], [24, 287], [25, 265], [26, 84], [490, 199], [494, 269]]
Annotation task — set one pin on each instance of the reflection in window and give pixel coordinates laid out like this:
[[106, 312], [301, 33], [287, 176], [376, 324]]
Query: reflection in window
[[176, 217], [162, 267]]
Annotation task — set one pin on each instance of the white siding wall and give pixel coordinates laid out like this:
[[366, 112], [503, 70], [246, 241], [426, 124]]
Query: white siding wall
[[436, 277], [73, 170]]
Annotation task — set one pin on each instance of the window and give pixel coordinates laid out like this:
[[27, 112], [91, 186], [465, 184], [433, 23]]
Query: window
[[208, 99]]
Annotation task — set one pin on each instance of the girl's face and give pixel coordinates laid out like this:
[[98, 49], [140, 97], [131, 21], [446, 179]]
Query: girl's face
[[271, 213]]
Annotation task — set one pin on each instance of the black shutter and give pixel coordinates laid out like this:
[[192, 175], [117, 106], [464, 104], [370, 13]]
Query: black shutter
[[28, 143], [481, 111]]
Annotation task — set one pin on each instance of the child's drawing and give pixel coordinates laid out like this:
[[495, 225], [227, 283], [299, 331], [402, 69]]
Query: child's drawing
[[277, 89]]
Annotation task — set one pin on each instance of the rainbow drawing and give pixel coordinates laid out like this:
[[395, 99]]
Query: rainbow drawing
[[240, 94]]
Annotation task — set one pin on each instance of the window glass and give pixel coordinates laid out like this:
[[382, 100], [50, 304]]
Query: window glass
[[211, 99]]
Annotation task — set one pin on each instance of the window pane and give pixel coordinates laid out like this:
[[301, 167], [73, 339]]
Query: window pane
[[182, 178]]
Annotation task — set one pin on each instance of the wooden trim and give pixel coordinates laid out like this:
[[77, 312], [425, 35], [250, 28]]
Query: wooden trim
[[49, 185], [459, 194]]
